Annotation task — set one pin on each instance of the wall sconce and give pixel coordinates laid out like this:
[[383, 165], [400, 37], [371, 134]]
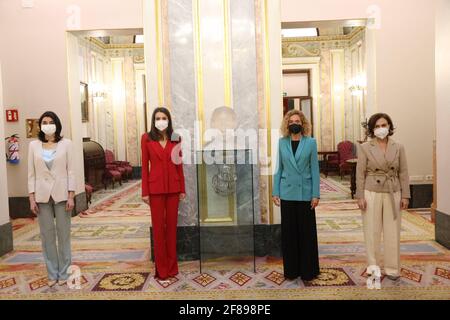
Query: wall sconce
[[357, 85], [98, 91]]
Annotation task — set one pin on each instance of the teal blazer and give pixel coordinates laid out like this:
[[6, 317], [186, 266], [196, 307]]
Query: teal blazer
[[297, 177]]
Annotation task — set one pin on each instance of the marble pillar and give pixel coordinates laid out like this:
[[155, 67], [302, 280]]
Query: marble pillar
[[183, 94], [244, 78], [210, 60]]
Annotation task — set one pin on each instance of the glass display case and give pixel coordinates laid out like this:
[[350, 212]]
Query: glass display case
[[226, 208]]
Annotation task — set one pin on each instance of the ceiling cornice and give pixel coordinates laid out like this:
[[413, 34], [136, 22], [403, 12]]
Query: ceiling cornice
[[355, 32], [104, 46]]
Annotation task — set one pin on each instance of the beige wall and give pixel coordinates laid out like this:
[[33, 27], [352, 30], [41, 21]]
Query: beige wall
[[34, 58], [404, 45], [443, 104]]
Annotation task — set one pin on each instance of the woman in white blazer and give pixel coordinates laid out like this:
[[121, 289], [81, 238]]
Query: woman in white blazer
[[51, 187]]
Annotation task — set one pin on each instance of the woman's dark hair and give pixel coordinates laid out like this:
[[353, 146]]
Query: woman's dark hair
[[373, 120], [50, 114], [154, 133]]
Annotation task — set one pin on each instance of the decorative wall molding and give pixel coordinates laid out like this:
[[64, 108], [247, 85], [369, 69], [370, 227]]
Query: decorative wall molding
[[138, 59], [300, 60], [349, 37], [312, 46], [119, 53], [299, 50], [116, 46], [113, 50]]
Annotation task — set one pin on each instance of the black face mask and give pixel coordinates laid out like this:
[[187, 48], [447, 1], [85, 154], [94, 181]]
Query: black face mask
[[295, 128]]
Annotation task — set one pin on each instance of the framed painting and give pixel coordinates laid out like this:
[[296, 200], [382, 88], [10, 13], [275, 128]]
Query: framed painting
[[84, 98], [32, 128]]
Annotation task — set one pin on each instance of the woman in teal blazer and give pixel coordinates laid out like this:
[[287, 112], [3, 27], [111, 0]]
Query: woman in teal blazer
[[296, 188]]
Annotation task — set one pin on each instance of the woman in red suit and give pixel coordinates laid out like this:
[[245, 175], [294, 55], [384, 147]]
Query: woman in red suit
[[162, 189]]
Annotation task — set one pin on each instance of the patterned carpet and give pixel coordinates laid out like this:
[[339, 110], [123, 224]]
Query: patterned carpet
[[332, 189], [424, 213], [102, 194], [110, 244], [125, 202]]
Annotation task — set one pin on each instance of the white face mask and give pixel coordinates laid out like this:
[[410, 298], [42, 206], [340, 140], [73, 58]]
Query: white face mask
[[161, 124], [48, 129], [381, 132]]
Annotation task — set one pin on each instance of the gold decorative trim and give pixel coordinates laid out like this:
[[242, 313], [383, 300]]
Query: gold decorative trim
[[267, 103], [104, 46], [263, 188], [166, 53], [296, 50], [357, 32], [138, 59], [159, 57], [230, 218], [226, 48], [98, 43], [200, 108], [199, 71], [125, 46]]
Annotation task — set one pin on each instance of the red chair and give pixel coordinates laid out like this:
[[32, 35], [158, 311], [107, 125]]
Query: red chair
[[346, 151], [128, 168], [112, 174], [89, 190], [124, 167]]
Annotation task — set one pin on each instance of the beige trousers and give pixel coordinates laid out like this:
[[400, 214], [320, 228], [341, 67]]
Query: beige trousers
[[379, 217]]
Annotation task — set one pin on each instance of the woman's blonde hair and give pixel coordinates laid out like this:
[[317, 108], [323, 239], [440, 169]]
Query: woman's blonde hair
[[285, 123]]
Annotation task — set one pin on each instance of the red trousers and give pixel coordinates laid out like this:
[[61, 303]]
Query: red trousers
[[164, 212]]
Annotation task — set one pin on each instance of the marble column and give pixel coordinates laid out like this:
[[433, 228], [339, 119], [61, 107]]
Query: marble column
[[210, 60], [245, 86], [183, 94], [263, 122]]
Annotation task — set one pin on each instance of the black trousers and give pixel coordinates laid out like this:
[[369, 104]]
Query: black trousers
[[299, 240]]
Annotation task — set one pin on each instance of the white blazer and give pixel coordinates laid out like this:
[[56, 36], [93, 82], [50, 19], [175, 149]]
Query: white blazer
[[56, 182]]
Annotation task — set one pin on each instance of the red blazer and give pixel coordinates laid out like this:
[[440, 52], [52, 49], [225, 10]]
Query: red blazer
[[164, 176]]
